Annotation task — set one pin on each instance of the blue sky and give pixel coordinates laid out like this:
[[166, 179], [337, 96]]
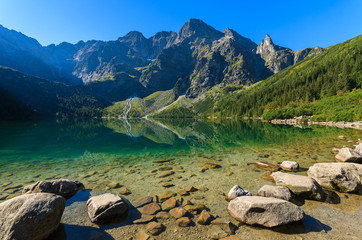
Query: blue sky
[[295, 24]]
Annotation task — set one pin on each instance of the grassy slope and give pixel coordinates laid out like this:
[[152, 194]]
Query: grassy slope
[[142, 106]]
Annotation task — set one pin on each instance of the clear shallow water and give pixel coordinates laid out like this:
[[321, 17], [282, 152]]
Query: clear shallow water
[[99, 153]]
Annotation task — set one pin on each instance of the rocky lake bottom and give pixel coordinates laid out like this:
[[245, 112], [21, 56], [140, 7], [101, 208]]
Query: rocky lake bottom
[[142, 158]]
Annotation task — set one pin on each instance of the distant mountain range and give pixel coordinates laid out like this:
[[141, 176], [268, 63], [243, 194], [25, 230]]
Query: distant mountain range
[[189, 63]]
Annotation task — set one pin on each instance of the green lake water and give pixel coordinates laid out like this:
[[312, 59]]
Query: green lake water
[[100, 153]]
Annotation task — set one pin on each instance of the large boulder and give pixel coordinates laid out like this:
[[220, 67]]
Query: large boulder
[[62, 187], [347, 154], [30, 217], [275, 191], [343, 177], [265, 211], [106, 208], [302, 186]]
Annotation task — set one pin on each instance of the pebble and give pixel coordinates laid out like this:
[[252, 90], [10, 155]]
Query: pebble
[[190, 189], [183, 222], [165, 168], [169, 204], [165, 174], [192, 209], [162, 215], [167, 184], [210, 165], [141, 235], [178, 212], [228, 173], [182, 192], [204, 218], [124, 191], [142, 201], [112, 186], [151, 208], [144, 219], [166, 195], [154, 228], [226, 226]]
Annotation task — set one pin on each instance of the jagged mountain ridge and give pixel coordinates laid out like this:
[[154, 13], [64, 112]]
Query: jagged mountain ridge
[[191, 61]]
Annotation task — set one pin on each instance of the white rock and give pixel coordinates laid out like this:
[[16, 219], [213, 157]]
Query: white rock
[[237, 191], [266, 211], [343, 177], [302, 186], [289, 165]]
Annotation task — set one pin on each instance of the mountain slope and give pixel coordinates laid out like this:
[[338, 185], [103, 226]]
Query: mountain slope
[[25, 96], [320, 83], [332, 72]]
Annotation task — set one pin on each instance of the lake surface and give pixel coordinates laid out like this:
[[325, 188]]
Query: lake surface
[[100, 153]]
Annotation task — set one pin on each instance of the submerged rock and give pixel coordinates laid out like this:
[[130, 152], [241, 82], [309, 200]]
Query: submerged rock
[[210, 165], [154, 228], [343, 177], [302, 186], [31, 216], [106, 207], [265, 211], [183, 222], [62, 187], [151, 208], [275, 191], [237, 191], [266, 166], [289, 165], [347, 154], [178, 212], [227, 226], [204, 218], [169, 204], [142, 201]]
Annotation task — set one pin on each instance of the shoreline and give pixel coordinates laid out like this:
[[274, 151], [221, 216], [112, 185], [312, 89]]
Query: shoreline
[[306, 121]]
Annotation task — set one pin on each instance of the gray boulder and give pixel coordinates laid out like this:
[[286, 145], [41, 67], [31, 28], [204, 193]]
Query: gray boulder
[[265, 211], [343, 177], [237, 191], [275, 191], [106, 208], [347, 154], [302, 186], [62, 187], [31, 216], [358, 149]]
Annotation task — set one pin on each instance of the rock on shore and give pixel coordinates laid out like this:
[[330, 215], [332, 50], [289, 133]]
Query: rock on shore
[[302, 186], [265, 211], [343, 177], [106, 208], [275, 191], [237, 191], [347, 154], [31, 216], [62, 187], [289, 165]]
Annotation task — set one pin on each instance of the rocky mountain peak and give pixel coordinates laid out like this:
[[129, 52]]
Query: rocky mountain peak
[[246, 43], [268, 40], [132, 36], [196, 28]]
